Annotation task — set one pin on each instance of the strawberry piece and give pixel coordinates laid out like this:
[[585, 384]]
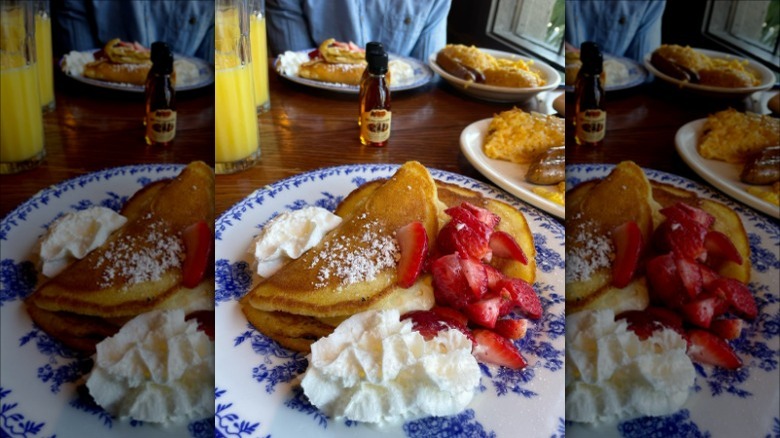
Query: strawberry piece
[[690, 274], [413, 244], [707, 275], [495, 349], [667, 318], [640, 322], [684, 212], [739, 298], [684, 237], [494, 276], [727, 328], [450, 287], [427, 323], [476, 276], [451, 315], [504, 245], [512, 329], [197, 245], [205, 320], [484, 312], [483, 215], [705, 347], [524, 296], [666, 286], [720, 247], [701, 311], [628, 245], [469, 239]]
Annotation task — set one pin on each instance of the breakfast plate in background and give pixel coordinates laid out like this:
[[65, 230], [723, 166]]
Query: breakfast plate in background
[[199, 74], [766, 77], [621, 73], [505, 174], [257, 383], [419, 75], [722, 403], [724, 176], [501, 94], [39, 378]]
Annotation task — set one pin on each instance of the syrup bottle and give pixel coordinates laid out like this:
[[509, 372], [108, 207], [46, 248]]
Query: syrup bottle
[[371, 47], [375, 114], [590, 116], [160, 97]]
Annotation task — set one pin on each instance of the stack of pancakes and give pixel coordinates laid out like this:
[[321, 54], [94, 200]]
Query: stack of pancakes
[[309, 296], [138, 269], [596, 207]]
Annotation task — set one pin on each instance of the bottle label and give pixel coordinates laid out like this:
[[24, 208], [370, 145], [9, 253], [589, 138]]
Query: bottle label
[[375, 126], [161, 125], [591, 125]]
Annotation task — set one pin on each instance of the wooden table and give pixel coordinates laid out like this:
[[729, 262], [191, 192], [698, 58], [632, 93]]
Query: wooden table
[[94, 128], [308, 128]]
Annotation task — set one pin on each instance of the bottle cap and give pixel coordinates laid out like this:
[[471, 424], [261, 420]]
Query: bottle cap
[[377, 61], [162, 58], [374, 46], [591, 57]]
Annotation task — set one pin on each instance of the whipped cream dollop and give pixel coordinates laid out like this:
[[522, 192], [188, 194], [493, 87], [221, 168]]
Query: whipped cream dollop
[[612, 375], [376, 369], [74, 235], [158, 368], [289, 235]]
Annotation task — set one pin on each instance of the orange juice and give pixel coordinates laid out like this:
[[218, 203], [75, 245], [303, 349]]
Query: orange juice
[[21, 137], [45, 67], [259, 61], [236, 121]]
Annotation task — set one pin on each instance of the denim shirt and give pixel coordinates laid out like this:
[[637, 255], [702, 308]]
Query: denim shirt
[[622, 28], [187, 26], [414, 28]]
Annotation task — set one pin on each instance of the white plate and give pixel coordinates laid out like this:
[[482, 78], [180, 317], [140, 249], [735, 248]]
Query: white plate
[[256, 389], [501, 94], [764, 74], [507, 175], [723, 175], [37, 379], [723, 403], [637, 75], [421, 76], [205, 77]]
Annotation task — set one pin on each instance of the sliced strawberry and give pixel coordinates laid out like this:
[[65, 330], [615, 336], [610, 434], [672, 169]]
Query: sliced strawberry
[[197, 245], [524, 296], [666, 287], [737, 295], [627, 239], [468, 239], [707, 275], [450, 287], [640, 322], [476, 276], [450, 314], [484, 215], [504, 245], [205, 320], [512, 329], [494, 276], [720, 247], [495, 349], [701, 311], [690, 274], [667, 318], [727, 328], [684, 237], [484, 312], [682, 212], [413, 243], [705, 347], [427, 323]]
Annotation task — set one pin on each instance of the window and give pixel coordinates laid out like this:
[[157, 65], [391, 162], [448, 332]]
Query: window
[[750, 27], [535, 27]]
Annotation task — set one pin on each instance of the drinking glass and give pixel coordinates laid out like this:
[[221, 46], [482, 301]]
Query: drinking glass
[[21, 118], [237, 139], [257, 36]]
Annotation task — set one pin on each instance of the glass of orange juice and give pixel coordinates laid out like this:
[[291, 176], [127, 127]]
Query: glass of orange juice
[[44, 55], [21, 118], [259, 55], [237, 138]]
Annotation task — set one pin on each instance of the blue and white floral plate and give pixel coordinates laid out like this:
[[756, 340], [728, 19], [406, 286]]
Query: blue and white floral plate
[[39, 377], [723, 403], [257, 390]]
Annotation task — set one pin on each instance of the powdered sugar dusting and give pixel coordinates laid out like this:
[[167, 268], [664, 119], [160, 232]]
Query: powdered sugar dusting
[[136, 259], [589, 253], [358, 258]]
